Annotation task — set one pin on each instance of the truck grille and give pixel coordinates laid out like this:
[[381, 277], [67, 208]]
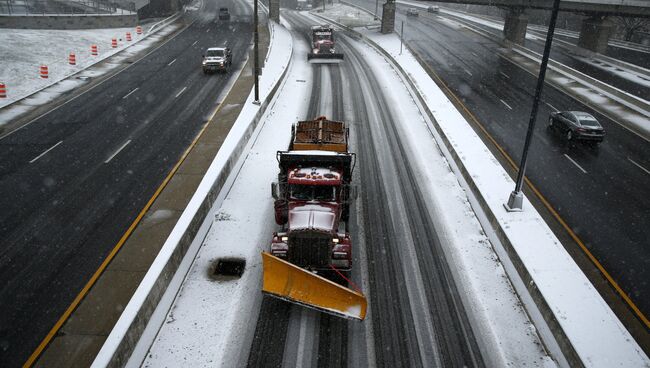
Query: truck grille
[[309, 249]]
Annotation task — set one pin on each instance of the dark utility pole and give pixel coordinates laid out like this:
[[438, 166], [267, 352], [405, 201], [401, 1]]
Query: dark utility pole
[[256, 69], [515, 202]]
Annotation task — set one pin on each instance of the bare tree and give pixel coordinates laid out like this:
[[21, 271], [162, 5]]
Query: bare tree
[[630, 26]]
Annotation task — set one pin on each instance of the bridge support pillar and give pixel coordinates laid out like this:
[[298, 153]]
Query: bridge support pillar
[[595, 33], [388, 17], [274, 10], [514, 28]]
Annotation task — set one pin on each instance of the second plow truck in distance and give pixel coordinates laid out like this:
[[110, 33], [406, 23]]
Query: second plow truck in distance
[[322, 46], [312, 205]]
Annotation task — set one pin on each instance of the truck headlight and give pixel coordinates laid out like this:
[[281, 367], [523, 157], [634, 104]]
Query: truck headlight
[[285, 239], [335, 240]]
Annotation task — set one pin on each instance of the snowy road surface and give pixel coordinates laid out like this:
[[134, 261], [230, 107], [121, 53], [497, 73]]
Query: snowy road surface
[[411, 217], [607, 206]]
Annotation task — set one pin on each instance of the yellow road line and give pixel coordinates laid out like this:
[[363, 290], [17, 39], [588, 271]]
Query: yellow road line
[[82, 294], [539, 195]]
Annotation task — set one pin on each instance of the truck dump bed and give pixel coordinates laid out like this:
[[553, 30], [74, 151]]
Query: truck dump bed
[[319, 134]]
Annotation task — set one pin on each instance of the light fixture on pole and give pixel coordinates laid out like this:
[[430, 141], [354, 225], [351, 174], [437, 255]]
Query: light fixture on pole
[[516, 199]]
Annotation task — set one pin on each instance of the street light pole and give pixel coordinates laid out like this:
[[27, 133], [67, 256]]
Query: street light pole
[[256, 71], [515, 202]]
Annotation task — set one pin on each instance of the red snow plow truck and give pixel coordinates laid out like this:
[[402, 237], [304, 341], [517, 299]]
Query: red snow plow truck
[[311, 256], [322, 46]]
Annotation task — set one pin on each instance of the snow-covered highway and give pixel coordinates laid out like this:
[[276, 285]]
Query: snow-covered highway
[[411, 216], [451, 277]]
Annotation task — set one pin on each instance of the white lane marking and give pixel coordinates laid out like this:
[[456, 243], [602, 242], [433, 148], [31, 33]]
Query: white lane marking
[[575, 163], [475, 55], [207, 30], [302, 336], [129, 94], [179, 93], [503, 102], [504, 74], [171, 62], [639, 166], [468, 72], [118, 151], [195, 42], [551, 106], [46, 151]]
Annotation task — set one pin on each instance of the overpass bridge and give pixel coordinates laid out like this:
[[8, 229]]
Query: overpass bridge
[[631, 8], [595, 30]]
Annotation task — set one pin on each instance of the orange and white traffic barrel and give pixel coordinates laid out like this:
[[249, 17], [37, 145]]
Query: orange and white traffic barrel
[[128, 36], [114, 43], [72, 59], [93, 50], [138, 30], [44, 72], [3, 90]]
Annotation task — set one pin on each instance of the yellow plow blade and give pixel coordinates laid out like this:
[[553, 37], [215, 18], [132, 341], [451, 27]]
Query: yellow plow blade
[[291, 283]]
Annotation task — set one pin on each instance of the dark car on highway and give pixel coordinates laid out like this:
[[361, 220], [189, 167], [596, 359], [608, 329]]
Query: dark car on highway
[[224, 14], [577, 125]]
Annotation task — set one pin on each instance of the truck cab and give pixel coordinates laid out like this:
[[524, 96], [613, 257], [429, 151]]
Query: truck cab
[[323, 45], [310, 205]]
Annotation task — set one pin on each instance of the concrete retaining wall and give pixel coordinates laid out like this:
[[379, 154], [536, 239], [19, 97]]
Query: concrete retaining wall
[[68, 21]]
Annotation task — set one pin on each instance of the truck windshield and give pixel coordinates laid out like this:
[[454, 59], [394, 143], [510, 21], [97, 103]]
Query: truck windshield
[[313, 192], [215, 53], [319, 36]]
